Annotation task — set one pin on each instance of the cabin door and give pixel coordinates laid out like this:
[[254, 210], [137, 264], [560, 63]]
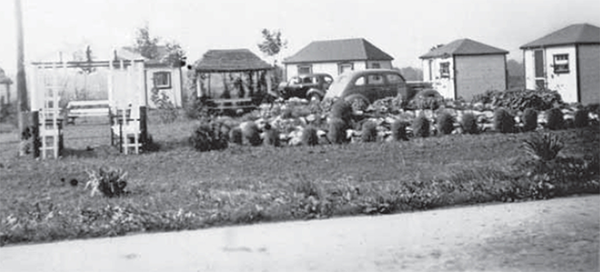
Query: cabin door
[[540, 75]]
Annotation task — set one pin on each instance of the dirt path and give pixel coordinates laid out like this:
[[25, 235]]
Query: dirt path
[[554, 235]]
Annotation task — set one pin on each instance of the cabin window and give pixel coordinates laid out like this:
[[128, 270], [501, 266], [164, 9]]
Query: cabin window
[[162, 80], [561, 63], [445, 69], [304, 69]]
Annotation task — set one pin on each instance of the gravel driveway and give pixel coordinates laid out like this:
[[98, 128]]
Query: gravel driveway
[[553, 235]]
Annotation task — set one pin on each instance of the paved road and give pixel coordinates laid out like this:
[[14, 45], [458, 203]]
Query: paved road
[[554, 235]]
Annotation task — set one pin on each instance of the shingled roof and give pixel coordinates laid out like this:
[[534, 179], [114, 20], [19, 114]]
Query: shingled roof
[[230, 60], [463, 47], [338, 50], [573, 34]]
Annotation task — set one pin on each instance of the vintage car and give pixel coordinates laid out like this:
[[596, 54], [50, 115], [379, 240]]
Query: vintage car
[[366, 86], [308, 86]]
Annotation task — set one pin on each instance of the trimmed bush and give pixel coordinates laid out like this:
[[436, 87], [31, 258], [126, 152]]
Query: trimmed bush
[[445, 123], [399, 130], [469, 123], [504, 122], [337, 131], [530, 119], [235, 135], [421, 126], [555, 119], [208, 136], [271, 137], [341, 110], [251, 133], [581, 119], [309, 136], [369, 132]]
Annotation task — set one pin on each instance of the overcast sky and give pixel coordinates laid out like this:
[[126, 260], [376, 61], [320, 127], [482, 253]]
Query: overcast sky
[[403, 29]]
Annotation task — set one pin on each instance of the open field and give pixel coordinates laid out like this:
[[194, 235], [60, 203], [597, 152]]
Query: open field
[[180, 188]]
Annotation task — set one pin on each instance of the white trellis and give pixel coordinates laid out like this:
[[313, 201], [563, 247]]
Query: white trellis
[[126, 95]]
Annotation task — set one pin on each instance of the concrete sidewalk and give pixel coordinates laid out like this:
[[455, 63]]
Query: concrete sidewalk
[[553, 235]]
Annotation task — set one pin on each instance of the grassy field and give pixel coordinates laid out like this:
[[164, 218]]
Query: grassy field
[[180, 188]]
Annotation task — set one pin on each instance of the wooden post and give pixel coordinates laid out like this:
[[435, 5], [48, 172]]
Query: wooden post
[[143, 126], [35, 133], [22, 106]]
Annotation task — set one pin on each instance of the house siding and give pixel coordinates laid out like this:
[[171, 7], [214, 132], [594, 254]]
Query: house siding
[[479, 73], [589, 73], [444, 85], [564, 83], [174, 93]]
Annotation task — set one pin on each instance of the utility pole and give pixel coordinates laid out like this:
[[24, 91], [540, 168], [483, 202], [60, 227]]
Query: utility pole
[[22, 105]]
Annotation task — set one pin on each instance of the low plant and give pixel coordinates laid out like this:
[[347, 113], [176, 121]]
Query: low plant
[[399, 130], [469, 123], [542, 149], [235, 135], [208, 136], [504, 122], [337, 131], [341, 110], [369, 132], [271, 136], [111, 182], [309, 136], [555, 119], [530, 119], [520, 99], [421, 126], [167, 111], [581, 118], [251, 133], [445, 123]]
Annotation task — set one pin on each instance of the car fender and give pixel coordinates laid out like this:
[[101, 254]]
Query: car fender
[[315, 90]]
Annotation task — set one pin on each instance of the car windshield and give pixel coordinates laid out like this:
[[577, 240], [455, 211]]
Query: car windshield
[[337, 86]]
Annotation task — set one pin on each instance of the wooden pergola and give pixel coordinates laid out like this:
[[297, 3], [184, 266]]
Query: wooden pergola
[[230, 61]]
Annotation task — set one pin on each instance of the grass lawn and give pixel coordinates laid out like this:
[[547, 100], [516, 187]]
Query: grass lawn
[[180, 188]]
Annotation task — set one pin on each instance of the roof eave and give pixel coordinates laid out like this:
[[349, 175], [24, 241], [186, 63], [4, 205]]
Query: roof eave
[[536, 46], [327, 61]]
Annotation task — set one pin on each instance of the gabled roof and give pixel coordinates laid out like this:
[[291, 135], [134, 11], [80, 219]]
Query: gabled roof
[[463, 47], [230, 60], [573, 34], [338, 50]]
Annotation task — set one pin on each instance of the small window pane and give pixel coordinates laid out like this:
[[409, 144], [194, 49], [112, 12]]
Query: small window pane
[[162, 80], [561, 63], [394, 79], [375, 80], [445, 69], [305, 69], [360, 81]]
